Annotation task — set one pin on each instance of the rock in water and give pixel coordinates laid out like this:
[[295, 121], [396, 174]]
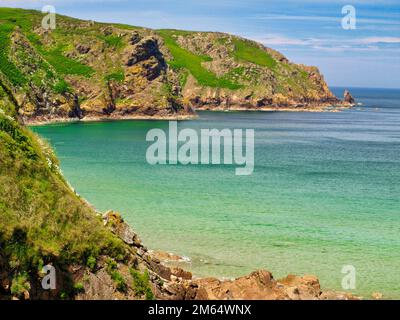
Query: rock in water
[[348, 98]]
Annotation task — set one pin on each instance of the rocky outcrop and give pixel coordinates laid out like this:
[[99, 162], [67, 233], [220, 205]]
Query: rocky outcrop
[[348, 98]]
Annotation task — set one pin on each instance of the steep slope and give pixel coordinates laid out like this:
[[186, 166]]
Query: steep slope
[[85, 69]]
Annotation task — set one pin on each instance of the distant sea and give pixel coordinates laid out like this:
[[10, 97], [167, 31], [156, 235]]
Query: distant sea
[[325, 192]]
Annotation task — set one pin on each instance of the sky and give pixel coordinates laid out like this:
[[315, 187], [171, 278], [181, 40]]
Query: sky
[[307, 32]]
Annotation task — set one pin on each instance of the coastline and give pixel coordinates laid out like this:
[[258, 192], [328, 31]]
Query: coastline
[[47, 121], [319, 108], [40, 121], [172, 282]]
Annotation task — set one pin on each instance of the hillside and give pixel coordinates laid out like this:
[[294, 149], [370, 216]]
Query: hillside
[[91, 70]]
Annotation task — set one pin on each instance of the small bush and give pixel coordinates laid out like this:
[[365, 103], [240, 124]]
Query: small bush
[[119, 281], [91, 262], [20, 284], [141, 284], [112, 270], [79, 287]]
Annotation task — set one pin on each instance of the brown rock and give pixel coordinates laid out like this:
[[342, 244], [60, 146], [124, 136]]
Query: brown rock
[[114, 221], [258, 285], [348, 98], [377, 296]]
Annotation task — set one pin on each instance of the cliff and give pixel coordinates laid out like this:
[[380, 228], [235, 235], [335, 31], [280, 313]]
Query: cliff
[[90, 70]]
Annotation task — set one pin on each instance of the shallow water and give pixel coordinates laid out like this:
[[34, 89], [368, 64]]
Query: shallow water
[[324, 193]]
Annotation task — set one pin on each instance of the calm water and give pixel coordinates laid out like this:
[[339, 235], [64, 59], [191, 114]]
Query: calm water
[[324, 193]]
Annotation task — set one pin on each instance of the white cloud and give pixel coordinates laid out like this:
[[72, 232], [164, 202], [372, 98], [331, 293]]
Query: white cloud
[[380, 40], [282, 17]]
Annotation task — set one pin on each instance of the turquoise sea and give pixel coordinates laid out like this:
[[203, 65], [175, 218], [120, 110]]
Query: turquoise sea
[[325, 192]]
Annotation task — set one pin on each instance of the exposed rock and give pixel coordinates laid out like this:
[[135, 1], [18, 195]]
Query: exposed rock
[[168, 257], [143, 50], [114, 221], [135, 38], [348, 98], [82, 48], [377, 296], [174, 283]]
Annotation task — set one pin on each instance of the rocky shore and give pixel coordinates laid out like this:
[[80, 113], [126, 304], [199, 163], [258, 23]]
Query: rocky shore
[[174, 283]]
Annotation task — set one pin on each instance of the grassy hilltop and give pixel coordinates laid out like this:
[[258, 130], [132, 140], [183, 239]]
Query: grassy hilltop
[[90, 69]]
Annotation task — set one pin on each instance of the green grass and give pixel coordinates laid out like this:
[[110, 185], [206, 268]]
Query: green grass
[[113, 41], [41, 219], [118, 76], [7, 67], [112, 270], [61, 87], [64, 65], [184, 59], [24, 19], [250, 52]]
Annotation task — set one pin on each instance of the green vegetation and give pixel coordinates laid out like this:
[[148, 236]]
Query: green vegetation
[[116, 76], [20, 284], [115, 42], [19, 18], [249, 51], [10, 19], [61, 87], [126, 26], [41, 219], [79, 288], [112, 270], [184, 59], [141, 284], [7, 67], [91, 262], [65, 65]]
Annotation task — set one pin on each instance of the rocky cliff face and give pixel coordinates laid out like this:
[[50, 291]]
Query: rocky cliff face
[[90, 70]]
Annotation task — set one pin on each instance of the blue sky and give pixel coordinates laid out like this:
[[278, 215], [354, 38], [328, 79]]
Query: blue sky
[[308, 32]]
